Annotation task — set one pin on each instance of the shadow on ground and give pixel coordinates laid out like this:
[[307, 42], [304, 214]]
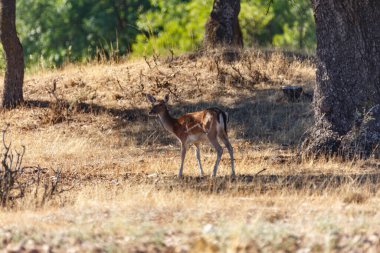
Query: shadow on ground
[[132, 115], [262, 118], [260, 184]]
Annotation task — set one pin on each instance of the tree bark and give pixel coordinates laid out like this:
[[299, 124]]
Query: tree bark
[[348, 70], [14, 73], [222, 28]]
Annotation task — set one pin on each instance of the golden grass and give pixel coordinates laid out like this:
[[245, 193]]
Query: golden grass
[[123, 165], [139, 217]]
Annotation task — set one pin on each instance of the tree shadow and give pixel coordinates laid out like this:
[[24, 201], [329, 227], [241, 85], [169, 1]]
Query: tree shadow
[[265, 118], [248, 183], [255, 119], [133, 115]]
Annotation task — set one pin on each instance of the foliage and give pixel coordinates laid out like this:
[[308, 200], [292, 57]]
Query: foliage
[[53, 32], [254, 19], [294, 24], [172, 24], [179, 25]]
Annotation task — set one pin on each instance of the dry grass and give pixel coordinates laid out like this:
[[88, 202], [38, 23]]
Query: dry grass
[[122, 164]]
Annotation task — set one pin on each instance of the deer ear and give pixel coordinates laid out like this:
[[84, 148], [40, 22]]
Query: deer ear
[[150, 98], [166, 98]]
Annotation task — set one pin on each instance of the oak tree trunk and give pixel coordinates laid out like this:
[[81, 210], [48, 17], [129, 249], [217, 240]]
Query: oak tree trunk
[[14, 73], [222, 27], [348, 72]]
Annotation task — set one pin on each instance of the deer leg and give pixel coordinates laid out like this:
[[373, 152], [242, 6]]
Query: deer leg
[[183, 155], [228, 145], [198, 156], [219, 151]]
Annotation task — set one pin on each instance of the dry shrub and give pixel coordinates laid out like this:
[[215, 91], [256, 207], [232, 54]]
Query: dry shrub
[[18, 182], [59, 110], [241, 73], [149, 247], [355, 198], [11, 185], [289, 244], [247, 247], [274, 217], [203, 245]]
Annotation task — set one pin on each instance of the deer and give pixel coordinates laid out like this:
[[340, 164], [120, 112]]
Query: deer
[[193, 129]]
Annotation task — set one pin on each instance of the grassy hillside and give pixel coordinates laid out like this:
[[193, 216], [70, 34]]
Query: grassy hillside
[[119, 166]]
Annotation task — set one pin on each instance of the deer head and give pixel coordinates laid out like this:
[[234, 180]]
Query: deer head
[[158, 106]]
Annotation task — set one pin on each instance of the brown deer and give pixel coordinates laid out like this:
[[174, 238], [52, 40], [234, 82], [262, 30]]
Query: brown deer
[[194, 128]]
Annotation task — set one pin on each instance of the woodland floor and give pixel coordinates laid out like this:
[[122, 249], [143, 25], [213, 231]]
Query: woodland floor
[[120, 190]]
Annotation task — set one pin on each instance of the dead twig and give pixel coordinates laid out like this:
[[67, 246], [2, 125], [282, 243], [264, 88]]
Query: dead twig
[[156, 57], [237, 70], [147, 62], [167, 86], [260, 171], [16, 181], [195, 75], [170, 60]]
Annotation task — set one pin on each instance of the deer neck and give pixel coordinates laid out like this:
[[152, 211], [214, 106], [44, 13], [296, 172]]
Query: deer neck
[[167, 121]]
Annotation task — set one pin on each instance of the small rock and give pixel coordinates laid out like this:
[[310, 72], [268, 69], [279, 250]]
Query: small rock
[[208, 228]]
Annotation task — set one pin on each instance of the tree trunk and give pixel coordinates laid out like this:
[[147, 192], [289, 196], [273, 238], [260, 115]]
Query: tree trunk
[[348, 70], [222, 28], [14, 73]]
